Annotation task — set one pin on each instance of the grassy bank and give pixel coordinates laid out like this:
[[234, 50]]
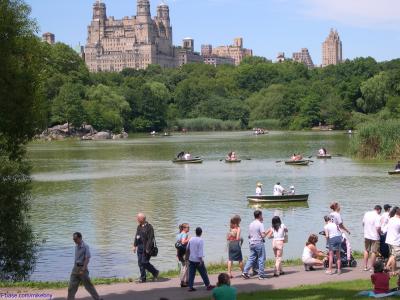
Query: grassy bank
[[336, 290], [212, 268], [208, 124], [378, 140]]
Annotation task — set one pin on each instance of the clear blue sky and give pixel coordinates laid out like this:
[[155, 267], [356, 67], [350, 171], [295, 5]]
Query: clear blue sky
[[366, 27]]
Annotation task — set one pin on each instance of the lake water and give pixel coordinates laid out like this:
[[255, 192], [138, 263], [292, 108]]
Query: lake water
[[98, 188]]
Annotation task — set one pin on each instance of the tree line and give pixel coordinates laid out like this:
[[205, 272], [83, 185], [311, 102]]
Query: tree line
[[284, 95]]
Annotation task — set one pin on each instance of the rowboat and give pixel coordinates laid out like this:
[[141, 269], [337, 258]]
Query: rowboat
[[233, 161], [271, 199], [188, 161], [324, 156], [394, 172], [297, 162]]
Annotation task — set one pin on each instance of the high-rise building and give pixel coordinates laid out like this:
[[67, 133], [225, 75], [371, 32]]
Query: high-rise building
[[206, 50], [136, 42], [303, 57], [332, 49], [49, 38], [235, 51]]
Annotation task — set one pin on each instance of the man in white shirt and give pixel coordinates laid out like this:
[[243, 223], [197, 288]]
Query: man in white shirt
[[195, 248], [278, 189], [393, 239], [384, 248], [257, 249], [372, 230]]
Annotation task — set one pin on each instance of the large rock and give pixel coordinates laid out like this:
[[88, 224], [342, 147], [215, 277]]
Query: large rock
[[122, 135], [102, 135]]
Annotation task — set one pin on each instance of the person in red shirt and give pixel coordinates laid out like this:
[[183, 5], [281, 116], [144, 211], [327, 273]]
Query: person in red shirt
[[380, 279]]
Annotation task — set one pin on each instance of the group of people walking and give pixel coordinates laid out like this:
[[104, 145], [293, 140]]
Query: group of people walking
[[381, 233]]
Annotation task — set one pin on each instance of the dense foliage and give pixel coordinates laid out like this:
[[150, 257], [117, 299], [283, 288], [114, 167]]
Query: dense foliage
[[378, 139], [287, 95], [21, 107]]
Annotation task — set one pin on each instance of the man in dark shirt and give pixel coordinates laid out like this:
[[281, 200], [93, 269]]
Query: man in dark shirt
[[143, 246], [80, 272]]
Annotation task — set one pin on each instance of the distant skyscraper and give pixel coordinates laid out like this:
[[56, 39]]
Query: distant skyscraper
[[304, 57], [332, 49]]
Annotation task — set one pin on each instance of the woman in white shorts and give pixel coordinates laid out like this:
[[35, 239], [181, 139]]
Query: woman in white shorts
[[311, 254]]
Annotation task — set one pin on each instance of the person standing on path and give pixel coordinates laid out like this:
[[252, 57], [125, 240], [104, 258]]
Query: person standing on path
[[143, 246], [393, 239], [80, 272], [234, 244], [182, 242], [278, 232], [334, 238], [337, 218], [372, 231], [257, 249], [195, 249]]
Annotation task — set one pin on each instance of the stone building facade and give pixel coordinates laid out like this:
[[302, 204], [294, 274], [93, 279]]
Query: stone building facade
[[303, 57], [235, 51], [113, 45], [49, 38], [186, 53], [332, 49]]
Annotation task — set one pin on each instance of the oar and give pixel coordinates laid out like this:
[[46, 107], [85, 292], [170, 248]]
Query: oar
[[278, 161]]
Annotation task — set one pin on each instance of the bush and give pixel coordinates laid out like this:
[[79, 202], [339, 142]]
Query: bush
[[270, 124], [208, 124], [378, 140]]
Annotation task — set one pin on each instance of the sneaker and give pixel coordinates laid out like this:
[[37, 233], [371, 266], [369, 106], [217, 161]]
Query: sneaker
[[191, 289], [329, 272], [281, 273], [245, 276], [140, 280], [262, 277], [155, 276], [339, 272], [210, 287], [366, 269], [184, 285], [276, 275], [311, 268], [307, 267]]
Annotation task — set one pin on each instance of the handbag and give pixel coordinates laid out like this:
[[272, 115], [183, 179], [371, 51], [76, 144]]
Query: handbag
[[286, 239], [154, 249]]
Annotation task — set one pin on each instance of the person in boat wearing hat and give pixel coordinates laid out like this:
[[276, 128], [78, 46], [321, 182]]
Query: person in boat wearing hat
[[397, 167], [259, 189]]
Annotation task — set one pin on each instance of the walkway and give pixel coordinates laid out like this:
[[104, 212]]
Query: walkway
[[168, 288]]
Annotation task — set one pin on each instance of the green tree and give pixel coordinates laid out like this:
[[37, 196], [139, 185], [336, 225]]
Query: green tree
[[21, 104], [374, 93], [68, 107], [105, 108]]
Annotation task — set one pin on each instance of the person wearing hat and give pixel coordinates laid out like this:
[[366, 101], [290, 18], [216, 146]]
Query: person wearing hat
[[384, 248], [259, 189], [278, 189]]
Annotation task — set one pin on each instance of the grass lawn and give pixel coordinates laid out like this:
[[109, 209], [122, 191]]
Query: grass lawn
[[337, 290]]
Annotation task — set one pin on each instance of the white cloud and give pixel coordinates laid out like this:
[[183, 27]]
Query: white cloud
[[363, 13]]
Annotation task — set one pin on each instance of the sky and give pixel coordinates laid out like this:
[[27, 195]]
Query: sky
[[366, 27]]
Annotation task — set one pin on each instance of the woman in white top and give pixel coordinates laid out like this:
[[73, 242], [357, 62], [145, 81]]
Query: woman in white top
[[336, 217], [277, 232], [311, 254], [334, 238]]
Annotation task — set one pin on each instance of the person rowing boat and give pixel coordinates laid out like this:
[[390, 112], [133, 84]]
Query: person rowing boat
[[232, 156], [278, 189], [397, 167], [322, 152], [296, 157], [259, 189], [184, 156]]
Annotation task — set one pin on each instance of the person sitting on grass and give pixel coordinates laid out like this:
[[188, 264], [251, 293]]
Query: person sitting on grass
[[380, 279], [311, 254], [224, 291]]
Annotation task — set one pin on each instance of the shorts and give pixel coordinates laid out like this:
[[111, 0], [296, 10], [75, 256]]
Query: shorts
[[372, 246], [395, 251], [277, 244], [310, 261], [335, 243]]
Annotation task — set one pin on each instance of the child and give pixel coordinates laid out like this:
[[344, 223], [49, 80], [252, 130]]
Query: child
[[224, 289], [380, 279]]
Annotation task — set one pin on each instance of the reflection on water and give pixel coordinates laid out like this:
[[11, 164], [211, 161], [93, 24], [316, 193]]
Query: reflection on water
[[98, 187]]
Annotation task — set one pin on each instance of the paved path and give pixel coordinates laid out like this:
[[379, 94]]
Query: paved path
[[168, 288]]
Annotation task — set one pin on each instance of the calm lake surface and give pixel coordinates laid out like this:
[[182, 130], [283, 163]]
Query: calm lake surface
[[98, 187]]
